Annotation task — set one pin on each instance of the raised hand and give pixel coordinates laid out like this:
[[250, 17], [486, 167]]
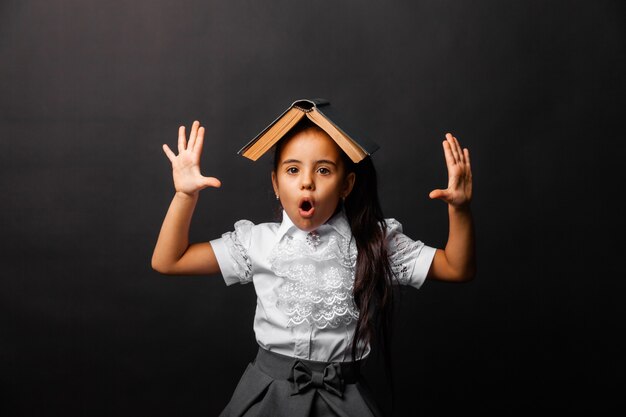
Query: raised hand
[[186, 165], [459, 191]]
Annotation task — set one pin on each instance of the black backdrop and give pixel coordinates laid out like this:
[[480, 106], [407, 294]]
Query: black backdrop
[[89, 90]]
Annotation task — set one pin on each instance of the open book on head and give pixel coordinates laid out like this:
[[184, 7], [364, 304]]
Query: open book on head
[[319, 112]]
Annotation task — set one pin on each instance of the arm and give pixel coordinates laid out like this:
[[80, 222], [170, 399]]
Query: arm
[[173, 255], [457, 262]]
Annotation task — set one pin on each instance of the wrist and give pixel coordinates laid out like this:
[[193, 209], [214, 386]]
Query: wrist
[[187, 196], [463, 210]]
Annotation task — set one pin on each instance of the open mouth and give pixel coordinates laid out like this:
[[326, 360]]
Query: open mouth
[[306, 208]]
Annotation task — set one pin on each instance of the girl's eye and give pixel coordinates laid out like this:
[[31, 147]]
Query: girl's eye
[[292, 170], [324, 171]]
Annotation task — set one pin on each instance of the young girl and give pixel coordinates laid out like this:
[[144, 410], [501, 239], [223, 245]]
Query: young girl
[[323, 276]]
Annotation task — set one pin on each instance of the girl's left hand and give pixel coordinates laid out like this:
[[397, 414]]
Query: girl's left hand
[[459, 191]]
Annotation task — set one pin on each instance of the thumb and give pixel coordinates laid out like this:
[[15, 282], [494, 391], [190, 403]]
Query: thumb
[[434, 194], [212, 182]]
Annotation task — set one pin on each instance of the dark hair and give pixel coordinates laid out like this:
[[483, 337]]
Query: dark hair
[[373, 290]]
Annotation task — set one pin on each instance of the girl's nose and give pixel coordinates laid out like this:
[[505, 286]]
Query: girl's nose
[[307, 183]]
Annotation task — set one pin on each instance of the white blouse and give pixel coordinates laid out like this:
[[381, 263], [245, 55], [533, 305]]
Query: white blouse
[[303, 281]]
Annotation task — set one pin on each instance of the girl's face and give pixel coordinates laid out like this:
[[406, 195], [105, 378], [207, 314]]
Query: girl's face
[[310, 178]]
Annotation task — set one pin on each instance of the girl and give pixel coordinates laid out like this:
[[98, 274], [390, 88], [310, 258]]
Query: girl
[[323, 276]]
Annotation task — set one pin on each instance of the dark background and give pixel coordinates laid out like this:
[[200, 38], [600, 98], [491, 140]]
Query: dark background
[[90, 90]]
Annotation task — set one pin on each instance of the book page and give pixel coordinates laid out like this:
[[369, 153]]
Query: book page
[[354, 151], [273, 134]]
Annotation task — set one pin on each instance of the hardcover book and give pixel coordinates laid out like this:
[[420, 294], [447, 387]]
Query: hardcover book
[[320, 112]]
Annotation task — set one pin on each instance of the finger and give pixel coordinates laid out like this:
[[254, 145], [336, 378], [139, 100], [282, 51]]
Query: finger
[[197, 146], [438, 194], [168, 152], [212, 182], [193, 134], [447, 150], [467, 160], [453, 149], [459, 151], [181, 139]]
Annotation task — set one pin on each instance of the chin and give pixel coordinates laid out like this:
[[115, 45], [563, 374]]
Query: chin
[[308, 223], [307, 226]]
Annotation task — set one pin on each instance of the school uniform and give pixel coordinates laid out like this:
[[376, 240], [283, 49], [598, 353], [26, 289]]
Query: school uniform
[[305, 316]]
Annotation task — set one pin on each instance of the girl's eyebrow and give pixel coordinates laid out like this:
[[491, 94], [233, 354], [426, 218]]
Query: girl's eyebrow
[[321, 161], [326, 161]]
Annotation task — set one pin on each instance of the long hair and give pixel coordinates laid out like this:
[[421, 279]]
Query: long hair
[[373, 290]]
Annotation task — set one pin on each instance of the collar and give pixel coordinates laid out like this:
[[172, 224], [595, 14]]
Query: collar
[[339, 222]]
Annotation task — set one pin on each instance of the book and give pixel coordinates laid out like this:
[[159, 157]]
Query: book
[[320, 112]]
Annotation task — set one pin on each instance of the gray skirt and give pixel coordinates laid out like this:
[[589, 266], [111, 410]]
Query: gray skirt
[[275, 385]]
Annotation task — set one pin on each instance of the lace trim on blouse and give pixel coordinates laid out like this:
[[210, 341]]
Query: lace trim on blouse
[[400, 249], [238, 253], [318, 280]]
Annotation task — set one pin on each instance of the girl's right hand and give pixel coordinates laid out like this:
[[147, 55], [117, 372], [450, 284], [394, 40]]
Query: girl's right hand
[[186, 166]]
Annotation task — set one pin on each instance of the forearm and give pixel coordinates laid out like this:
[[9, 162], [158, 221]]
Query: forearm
[[173, 238], [460, 248]]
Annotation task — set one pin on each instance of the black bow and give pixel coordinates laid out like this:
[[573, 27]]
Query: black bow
[[303, 378]]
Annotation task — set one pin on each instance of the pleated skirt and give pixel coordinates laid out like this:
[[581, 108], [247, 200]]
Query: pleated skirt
[[266, 389]]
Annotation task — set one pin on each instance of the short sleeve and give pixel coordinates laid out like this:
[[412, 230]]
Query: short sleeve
[[231, 251], [409, 260]]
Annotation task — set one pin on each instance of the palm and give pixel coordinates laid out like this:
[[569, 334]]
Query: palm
[[459, 191], [186, 165]]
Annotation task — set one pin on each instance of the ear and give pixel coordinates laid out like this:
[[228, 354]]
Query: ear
[[275, 182], [348, 184]]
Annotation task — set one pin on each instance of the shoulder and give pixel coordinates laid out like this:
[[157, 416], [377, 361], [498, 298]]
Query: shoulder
[[397, 241], [409, 259], [247, 225], [392, 226], [247, 232], [243, 241]]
